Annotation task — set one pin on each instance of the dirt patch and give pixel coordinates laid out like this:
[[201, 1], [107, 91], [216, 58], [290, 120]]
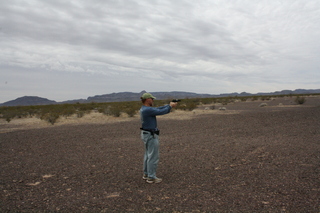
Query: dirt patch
[[260, 159]]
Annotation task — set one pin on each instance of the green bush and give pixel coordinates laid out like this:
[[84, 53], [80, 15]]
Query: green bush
[[50, 117], [130, 111], [254, 98], [68, 111], [80, 114], [300, 100], [114, 111], [8, 115]]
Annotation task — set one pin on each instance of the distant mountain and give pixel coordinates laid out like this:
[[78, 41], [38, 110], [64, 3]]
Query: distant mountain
[[74, 101], [116, 97], [282, 92], [28, 101], [130, 96]]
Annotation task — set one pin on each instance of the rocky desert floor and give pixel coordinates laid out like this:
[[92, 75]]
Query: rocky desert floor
[[243, 159]]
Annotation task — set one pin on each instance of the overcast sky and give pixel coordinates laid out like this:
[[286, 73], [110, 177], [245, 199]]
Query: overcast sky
[[63, 50]]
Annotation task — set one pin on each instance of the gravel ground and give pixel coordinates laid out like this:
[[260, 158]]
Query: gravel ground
[[260, 159]]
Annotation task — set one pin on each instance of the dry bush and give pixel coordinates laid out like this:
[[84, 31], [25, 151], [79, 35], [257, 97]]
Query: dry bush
[[300, 100], [50, 117]]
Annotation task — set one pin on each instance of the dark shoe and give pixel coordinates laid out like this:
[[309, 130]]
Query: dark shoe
[[154, 180], [145, 177]]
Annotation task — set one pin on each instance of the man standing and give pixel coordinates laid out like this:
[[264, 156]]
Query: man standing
[[150, 135]]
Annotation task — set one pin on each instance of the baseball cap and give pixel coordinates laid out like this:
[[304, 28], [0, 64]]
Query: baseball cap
[[147, 95]]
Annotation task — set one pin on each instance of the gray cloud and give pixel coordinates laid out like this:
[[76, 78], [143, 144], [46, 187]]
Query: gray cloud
[[87, 48]]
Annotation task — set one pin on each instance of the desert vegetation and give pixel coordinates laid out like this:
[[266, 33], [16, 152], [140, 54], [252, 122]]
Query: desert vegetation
[[51, 113]]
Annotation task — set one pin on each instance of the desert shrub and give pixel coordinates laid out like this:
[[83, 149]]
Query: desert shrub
[[32, 110], [50, 117], [114, 111], [212, 107], [213, 100], [265, 98], [8, 115], [300, 100], [85, 107], [254, 98], [188, 104], [225, 101], [191, 106], [67, 111], [116, 108], [206, 100], [130, 111], [80, 114], [105, 110], [101, 109]]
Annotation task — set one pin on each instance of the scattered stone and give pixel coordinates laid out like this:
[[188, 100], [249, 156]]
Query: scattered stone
[[115, 194], [33, 184], [263, 105], [47, 176]]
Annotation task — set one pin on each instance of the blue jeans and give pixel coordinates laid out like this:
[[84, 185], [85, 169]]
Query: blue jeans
[[151, 154]]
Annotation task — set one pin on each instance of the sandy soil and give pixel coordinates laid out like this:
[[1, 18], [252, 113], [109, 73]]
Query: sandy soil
[[243, 159]]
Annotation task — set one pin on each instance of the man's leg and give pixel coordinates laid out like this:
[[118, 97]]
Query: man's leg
[[145, 137], [152, 155]]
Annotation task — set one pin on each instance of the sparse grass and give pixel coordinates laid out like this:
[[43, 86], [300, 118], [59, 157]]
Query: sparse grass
[[51, 113]]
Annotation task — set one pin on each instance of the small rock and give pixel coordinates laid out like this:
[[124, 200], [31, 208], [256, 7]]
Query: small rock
[[33, 184], [263, 105]]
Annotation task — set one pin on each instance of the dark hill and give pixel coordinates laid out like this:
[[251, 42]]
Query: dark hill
[[28, 101]]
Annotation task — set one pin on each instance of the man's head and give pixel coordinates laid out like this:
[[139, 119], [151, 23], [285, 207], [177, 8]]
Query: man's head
[[147, 99]]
